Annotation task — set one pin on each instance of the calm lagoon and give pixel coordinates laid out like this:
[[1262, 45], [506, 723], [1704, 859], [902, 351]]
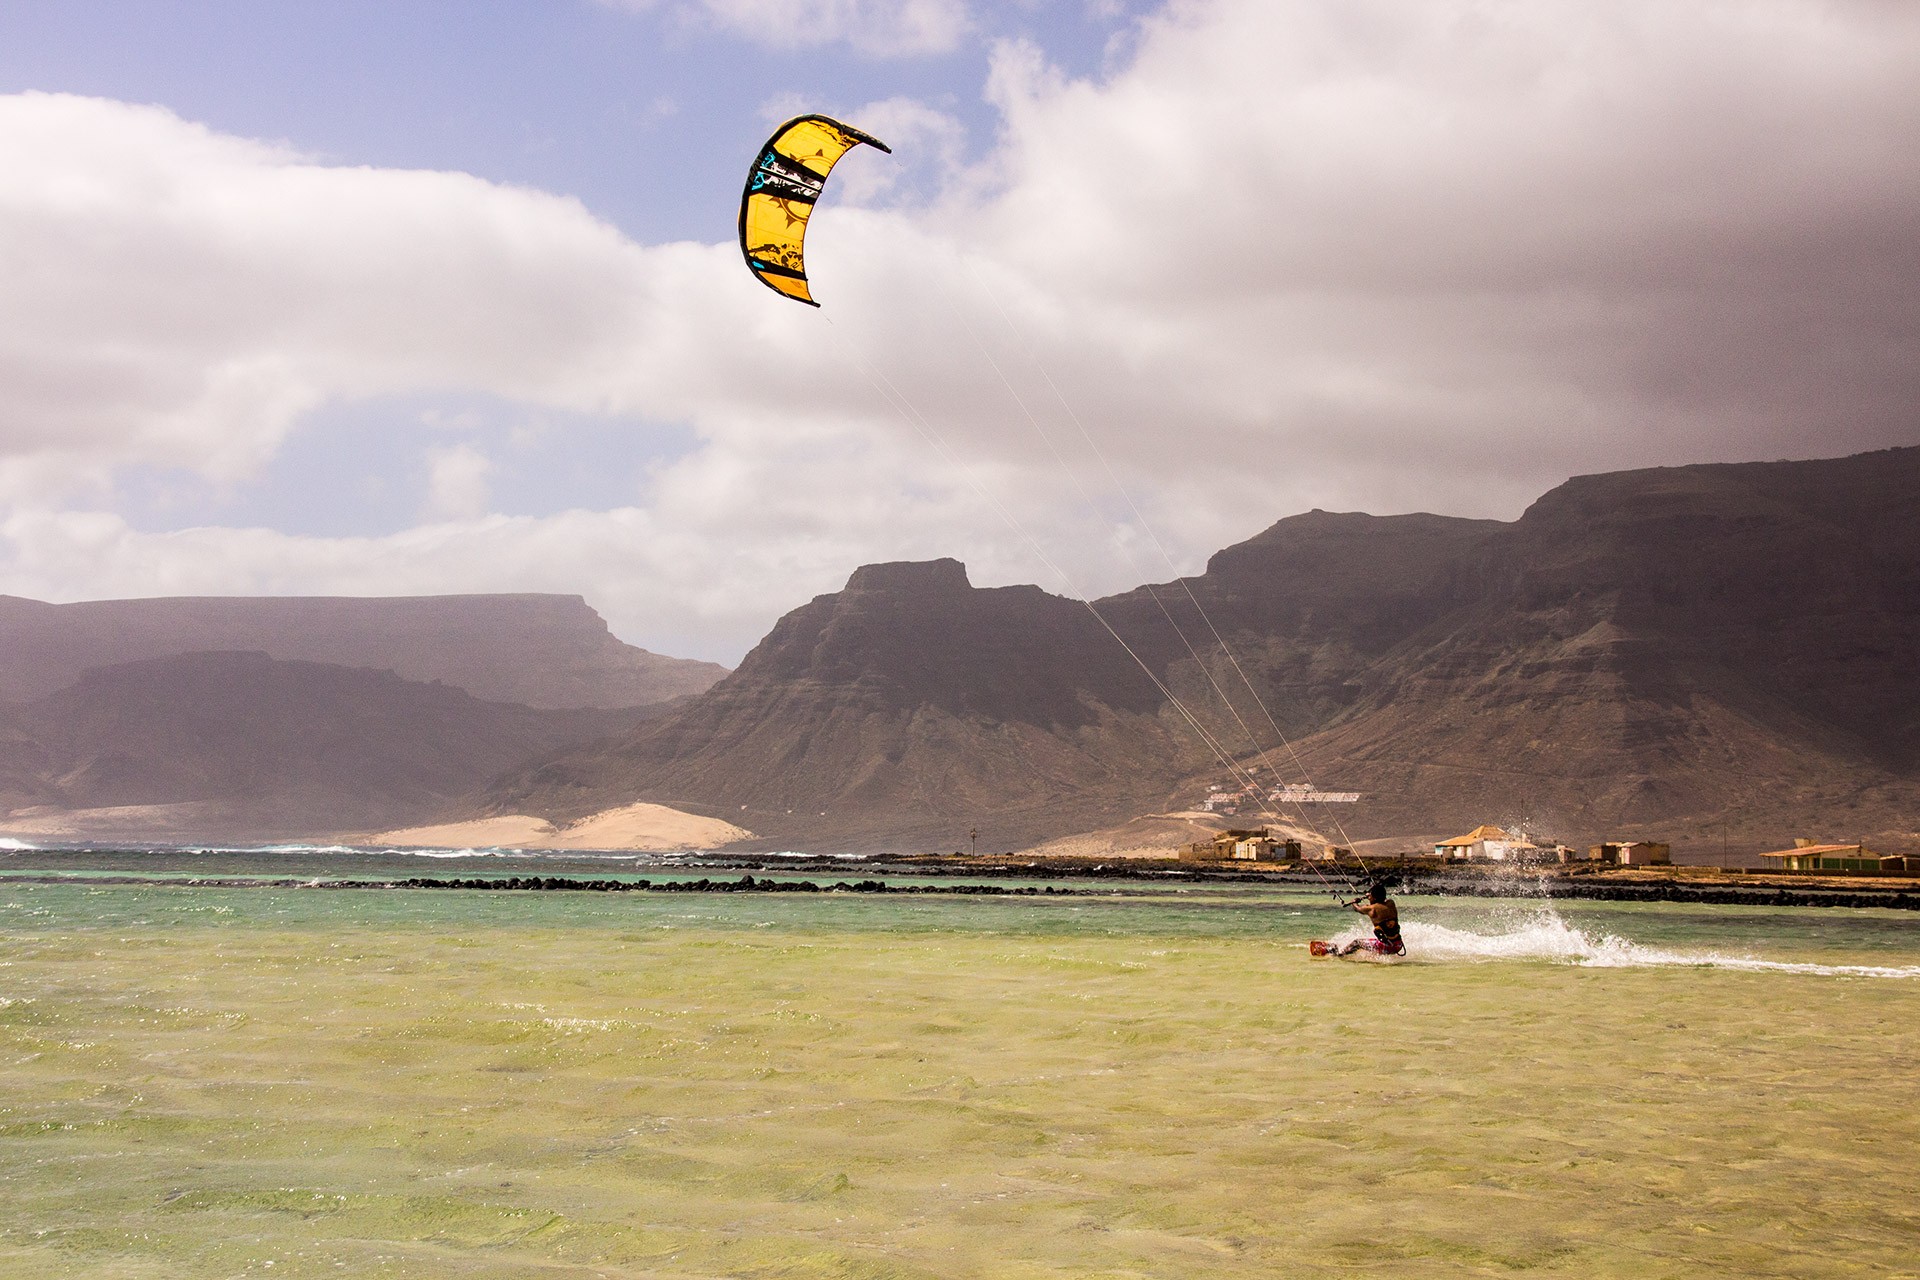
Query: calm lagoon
[[276, 1081]]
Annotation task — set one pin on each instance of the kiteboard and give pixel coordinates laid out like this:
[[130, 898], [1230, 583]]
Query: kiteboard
[[1319, 950]]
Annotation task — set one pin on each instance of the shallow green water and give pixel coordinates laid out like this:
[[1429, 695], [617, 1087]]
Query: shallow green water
[[213, 1082]]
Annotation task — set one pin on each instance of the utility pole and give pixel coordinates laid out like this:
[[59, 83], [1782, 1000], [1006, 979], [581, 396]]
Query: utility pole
[[974, 836]]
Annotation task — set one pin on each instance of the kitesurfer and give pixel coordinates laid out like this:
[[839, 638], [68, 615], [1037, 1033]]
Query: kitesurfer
[[1379, 909]]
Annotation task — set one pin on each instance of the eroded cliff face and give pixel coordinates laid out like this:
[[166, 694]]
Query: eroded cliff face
[[1306, 609], [899, 707], [1676, 646], [1798, 583], [912, 635], [539, 650]]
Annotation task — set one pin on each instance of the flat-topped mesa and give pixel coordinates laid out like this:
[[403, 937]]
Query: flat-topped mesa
[[549, 651], [917, 633], [945, 576], [910, 699]]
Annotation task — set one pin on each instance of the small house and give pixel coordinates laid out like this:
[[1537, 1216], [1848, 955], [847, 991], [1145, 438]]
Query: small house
[[1491, 844], [1257, 845], [1633, 853], [1857, 858]]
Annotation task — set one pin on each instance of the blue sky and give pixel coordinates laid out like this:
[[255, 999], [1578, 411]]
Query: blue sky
[[647, 117], [555, 94], [405, 298]]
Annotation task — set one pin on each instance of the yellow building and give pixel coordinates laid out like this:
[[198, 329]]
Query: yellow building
[[1808, 856]]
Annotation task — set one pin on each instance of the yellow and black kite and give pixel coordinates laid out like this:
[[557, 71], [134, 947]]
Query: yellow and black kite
[[781, 190]]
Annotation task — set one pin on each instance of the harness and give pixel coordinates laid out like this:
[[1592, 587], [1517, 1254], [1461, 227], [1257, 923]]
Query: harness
[[1389, 936]]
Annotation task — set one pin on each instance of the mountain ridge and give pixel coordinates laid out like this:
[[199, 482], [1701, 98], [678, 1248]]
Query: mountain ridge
[[1730, 644]]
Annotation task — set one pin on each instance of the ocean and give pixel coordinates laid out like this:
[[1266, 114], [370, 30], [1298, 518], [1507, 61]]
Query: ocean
[[1137, 1079]]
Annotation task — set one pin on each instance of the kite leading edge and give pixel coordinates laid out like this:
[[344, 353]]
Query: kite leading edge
[[782, 187]]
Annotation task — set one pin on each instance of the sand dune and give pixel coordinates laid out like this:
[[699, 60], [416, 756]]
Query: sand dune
[[114, 822], [646, 827]]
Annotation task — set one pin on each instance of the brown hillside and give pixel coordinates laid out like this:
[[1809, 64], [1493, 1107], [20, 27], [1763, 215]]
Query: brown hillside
[[1676, 648], [905, 706], [256, 746]]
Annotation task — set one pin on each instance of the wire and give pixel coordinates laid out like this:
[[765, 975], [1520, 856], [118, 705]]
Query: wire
[[902, 404], [1147, 527]]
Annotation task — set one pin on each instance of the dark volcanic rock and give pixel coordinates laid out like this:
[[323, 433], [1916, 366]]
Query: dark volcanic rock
[[900, 707], [1662, 651], [1665, 649], [902, 636], [1306, 608]]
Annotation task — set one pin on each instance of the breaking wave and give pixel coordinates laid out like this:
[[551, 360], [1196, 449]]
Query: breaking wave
[[9, 845], [1545, 936], [283, 848]]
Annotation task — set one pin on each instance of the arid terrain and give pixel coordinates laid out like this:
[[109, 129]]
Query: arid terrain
[[1727, 655]]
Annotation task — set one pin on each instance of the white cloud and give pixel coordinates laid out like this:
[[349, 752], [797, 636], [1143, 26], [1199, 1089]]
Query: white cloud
[[180, 297], [881, 28], [1427, 229], [927, 144], [457, 483], [1349, 253]]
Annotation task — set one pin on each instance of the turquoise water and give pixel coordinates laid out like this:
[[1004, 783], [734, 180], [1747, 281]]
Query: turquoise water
[[1138, 1080], [1439, 929]]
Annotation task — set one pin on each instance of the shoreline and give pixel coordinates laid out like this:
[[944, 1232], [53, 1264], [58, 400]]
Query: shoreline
[[538, 884], [1705, 886]]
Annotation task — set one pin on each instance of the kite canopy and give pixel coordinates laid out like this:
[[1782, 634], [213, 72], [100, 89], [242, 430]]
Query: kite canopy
[[781, 190]]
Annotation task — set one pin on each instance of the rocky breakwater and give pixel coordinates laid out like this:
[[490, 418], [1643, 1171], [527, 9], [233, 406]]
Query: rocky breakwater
[[745, 884]]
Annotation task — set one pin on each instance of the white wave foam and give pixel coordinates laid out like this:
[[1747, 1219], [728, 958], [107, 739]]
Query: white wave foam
[[502, 851], [283, 848], [9, 845], [1545, 936]]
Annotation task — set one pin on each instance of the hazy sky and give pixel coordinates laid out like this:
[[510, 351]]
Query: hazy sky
[[374, 298]]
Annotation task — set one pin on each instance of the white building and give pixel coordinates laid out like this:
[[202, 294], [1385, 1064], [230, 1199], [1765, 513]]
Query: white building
[[1489, 844]]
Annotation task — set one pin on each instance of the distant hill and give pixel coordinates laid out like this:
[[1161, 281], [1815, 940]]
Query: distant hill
[[893, 709], [540, 650], [1674, 649], [243, 745]]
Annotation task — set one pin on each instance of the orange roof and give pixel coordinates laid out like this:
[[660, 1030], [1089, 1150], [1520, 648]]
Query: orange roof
[[1478, 834]]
